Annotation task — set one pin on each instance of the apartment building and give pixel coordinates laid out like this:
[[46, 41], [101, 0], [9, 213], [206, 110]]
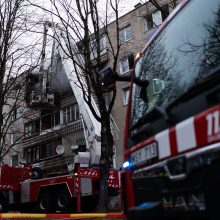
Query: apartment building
[[52, 131], [12, 129]]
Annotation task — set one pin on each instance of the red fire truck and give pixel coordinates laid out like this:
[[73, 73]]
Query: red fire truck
[[172, 134], [76, 191]]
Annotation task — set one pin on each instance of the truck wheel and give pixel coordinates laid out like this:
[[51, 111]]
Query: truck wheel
[[63, 200], [212, 191], [3, 205], [45, 203]]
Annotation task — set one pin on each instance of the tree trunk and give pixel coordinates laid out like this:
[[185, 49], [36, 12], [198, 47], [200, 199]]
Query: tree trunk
[[105, 164]]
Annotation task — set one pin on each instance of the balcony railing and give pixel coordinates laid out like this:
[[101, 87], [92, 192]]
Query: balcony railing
[[57, 165], [72, 127], [104, 57]]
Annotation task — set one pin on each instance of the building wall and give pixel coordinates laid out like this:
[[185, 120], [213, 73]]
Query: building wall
[[13, 121]]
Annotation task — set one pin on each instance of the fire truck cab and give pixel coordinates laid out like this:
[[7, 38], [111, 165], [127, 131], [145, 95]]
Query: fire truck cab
[[172, 134]]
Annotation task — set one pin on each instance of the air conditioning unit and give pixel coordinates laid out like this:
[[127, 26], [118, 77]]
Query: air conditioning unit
[[35, 97], [50, 98]]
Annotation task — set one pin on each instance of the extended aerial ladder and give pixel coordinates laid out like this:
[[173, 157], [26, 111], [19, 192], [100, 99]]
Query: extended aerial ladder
[[91, 127]]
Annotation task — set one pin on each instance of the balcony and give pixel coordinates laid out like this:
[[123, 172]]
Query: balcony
[[104, 57], [75, 127], [42, 100]]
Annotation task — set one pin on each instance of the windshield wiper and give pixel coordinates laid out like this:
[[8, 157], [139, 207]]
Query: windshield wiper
[[152, 114]]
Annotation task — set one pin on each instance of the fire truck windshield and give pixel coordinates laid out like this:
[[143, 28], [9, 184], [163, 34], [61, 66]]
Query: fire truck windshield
[[180, 58]]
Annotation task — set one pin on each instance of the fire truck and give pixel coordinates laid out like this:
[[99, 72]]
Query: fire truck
[[76, 191], [76, 188], [172, 132]]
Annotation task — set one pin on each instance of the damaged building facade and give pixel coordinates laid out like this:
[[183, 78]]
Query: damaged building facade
[[53, 129]]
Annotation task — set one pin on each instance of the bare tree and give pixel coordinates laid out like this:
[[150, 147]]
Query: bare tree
[[85, 24], [16, 50]]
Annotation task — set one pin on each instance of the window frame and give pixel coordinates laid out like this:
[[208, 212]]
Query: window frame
[[34, 129], [16, 113], [71, 113], [15, 137], [130, 63], [150, 18], [153, 19], [125, 95], [14, 156], [103, 47], [124, 34]]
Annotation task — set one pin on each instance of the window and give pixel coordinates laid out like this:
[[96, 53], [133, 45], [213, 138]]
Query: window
[[157, 18], [14, 160], [29, 159], [125, 34], [4, 116], [148, 23], [93, 46], [175, 3], [50, 119], [154, 20], [50, 98], [127, 64], [16, 90], [55, 118], [46, 116], [31, 128], [125, 94], [32, 154], [15, 137], [44, 150], [71, 113], [16, 113], [49, 149]]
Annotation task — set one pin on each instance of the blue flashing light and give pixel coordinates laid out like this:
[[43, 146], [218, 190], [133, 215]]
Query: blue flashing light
[[145, 204], [126, 164]]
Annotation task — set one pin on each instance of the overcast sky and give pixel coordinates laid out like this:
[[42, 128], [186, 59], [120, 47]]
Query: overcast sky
[[128, 5]]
